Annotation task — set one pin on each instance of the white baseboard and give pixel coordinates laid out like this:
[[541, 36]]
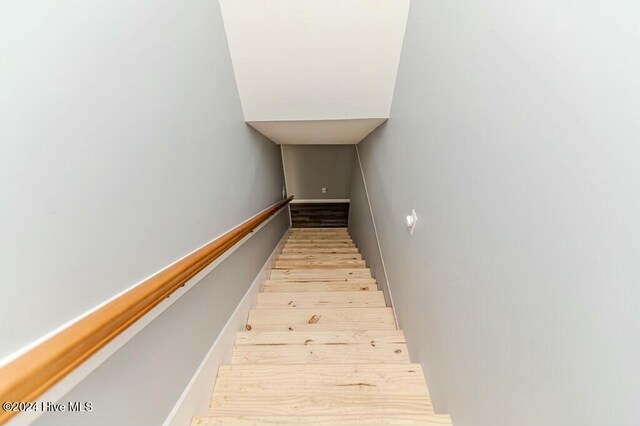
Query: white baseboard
[[197, 395], [320, 200], [375, 231]]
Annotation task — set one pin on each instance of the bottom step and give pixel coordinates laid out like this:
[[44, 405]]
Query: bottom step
[[360, 420]]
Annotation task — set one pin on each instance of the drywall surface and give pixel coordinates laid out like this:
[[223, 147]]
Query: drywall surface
[[317, 132], [310, 168], [315, 60], [316, 72], [514, 134], [122, 148], [362, 229], [145, 377]]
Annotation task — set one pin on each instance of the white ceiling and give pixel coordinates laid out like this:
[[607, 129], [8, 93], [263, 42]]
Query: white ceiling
[[301, 62]]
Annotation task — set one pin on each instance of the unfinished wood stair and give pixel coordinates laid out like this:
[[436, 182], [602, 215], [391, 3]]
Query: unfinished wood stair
[[321, 347]]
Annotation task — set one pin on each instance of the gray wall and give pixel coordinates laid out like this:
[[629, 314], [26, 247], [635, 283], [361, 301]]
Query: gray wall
[[309, 168], [363, 230], [144, 379], [514, 134], [122, 148]]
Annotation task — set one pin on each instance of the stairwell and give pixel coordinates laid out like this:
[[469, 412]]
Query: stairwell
[[321, 347]]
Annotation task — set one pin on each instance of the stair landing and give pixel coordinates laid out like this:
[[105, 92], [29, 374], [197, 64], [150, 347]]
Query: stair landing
[[321, 347]]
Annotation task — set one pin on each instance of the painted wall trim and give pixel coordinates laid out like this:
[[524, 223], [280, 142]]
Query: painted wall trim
[[286, 185], [321, 200], [375, 231], [197, 395], [65, 385]]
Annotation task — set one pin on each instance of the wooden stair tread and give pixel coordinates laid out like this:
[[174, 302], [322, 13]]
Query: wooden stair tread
[[321, 319], [358, 299], [319, 244], [318, 274], [319, 264], [345, 379], [320, 256], [327, 353], [320, 250], [320, 286], [344, 420], [319, 404], [313, 337], [321, 237], [320, 347]]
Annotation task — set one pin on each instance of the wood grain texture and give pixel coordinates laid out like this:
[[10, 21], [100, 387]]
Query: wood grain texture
[[31, 374], [345, 379], [315, 286], [321, 319], [321, 348], [323, 215], [317, 241], [324, 420], [359, 299], [319, 244], [319, 404], [327, 353], [315, 237], [320, 250], [320, 337], [318, 274], [319, 264], [319, 235], [320, 256]]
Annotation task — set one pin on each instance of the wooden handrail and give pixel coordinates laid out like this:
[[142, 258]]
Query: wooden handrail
[[30, 375]]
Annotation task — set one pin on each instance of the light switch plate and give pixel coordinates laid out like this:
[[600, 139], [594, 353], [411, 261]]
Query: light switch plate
[[411, 221]]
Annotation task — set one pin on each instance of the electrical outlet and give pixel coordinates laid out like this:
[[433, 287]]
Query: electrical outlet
[[324, 190]]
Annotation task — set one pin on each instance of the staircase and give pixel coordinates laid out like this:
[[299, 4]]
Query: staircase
[[321, 347]]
